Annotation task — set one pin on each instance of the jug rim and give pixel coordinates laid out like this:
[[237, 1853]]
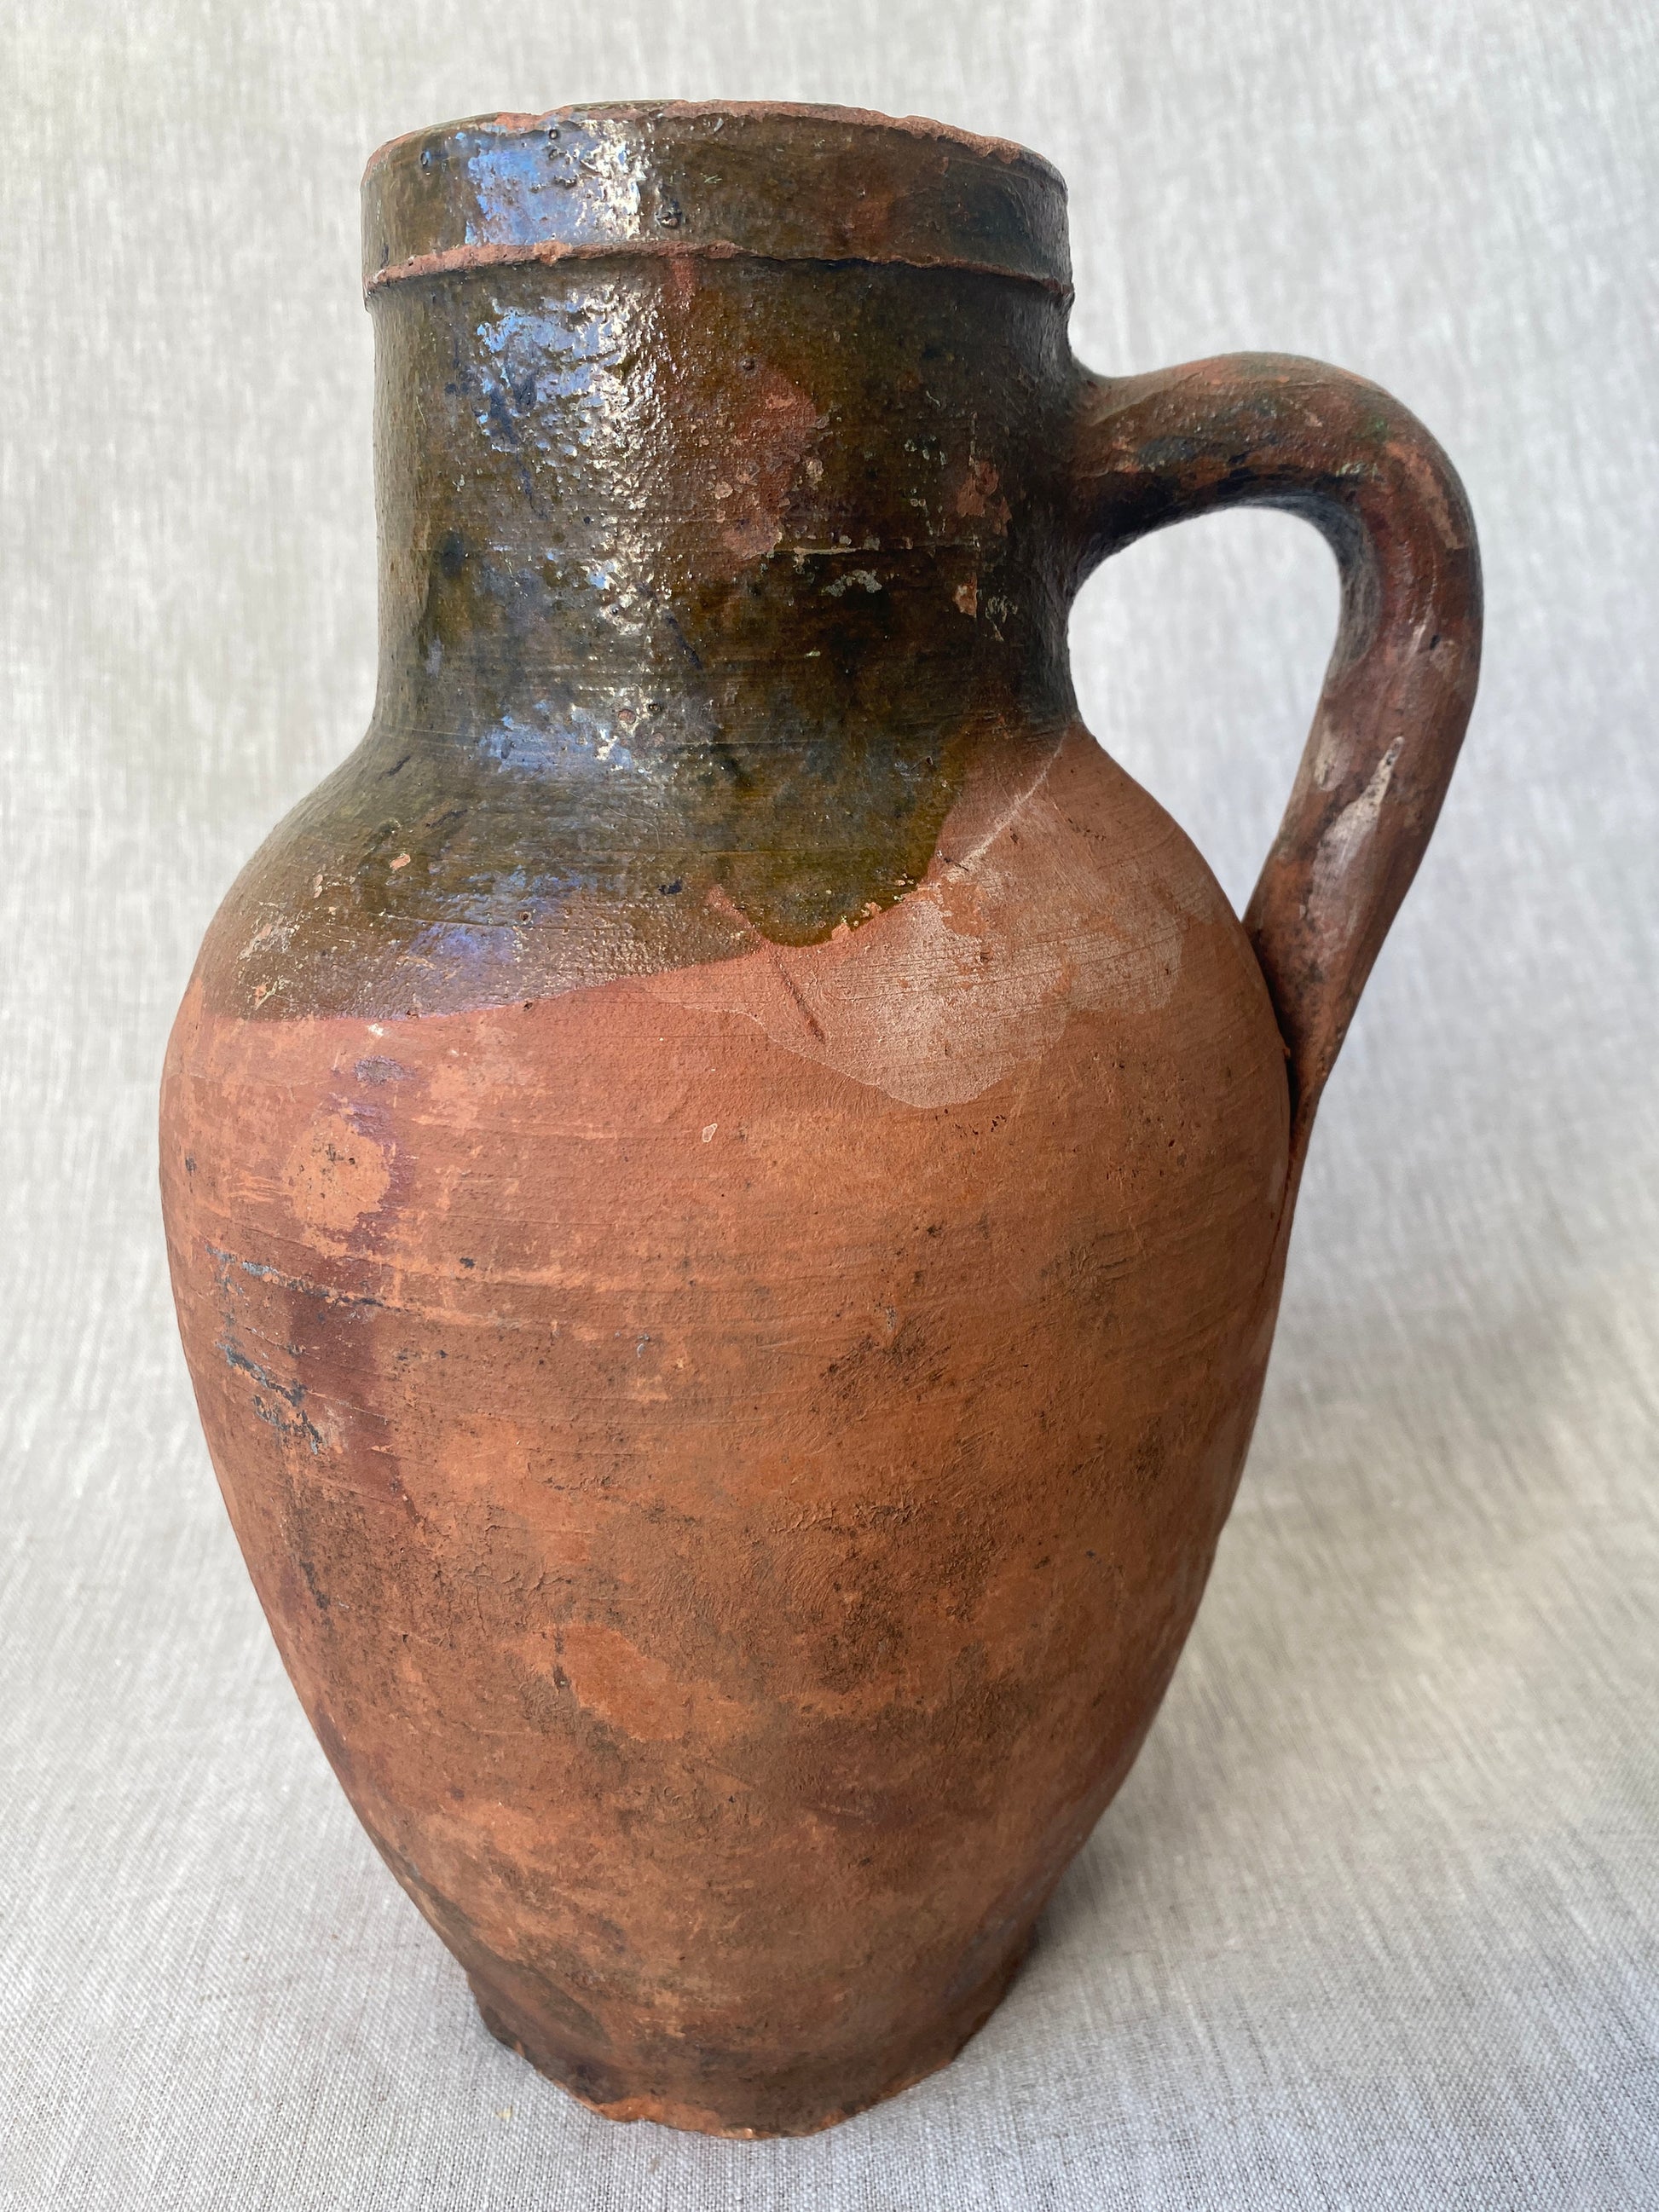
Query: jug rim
[[511, 122], [771, 179]]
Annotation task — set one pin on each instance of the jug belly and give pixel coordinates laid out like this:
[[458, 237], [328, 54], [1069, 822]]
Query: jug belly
[[731, 1455]]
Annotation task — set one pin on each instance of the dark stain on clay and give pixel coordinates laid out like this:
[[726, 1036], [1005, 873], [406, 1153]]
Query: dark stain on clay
[[279, 1405]]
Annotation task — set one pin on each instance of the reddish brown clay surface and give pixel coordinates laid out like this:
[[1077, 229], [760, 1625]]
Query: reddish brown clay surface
[[727, 1175]]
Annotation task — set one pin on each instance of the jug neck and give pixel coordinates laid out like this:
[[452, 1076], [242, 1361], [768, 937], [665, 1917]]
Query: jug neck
[[719, 458], [687, 500], [717, 454]]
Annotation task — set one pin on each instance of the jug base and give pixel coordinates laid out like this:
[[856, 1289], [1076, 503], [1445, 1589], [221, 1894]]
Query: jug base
[[769, 2110]]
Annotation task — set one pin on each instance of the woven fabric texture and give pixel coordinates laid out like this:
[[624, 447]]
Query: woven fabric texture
[[1376, 1921]]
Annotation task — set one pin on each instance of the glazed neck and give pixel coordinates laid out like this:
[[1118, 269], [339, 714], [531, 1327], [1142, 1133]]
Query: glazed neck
[[659, 504]]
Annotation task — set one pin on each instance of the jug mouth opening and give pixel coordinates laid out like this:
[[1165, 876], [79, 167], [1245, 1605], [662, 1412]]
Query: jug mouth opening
[[715, 179]]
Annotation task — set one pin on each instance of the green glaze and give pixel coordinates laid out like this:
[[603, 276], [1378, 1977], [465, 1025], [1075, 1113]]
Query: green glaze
[[703, 575]]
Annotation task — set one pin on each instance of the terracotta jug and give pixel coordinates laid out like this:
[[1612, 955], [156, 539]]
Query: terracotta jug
[[727, 1173]]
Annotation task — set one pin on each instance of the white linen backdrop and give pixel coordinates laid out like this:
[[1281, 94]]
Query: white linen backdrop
[[1373, 1922]]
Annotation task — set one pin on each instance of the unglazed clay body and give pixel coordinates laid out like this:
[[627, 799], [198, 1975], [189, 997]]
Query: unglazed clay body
[[727, 1174]]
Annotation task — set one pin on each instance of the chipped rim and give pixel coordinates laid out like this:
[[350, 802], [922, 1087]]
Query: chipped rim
[[510, 123]]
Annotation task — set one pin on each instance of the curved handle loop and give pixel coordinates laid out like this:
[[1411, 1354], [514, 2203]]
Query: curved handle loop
[[1267, 429]]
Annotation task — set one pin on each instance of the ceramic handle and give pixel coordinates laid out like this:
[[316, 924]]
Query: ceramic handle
[[1269, 430]]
